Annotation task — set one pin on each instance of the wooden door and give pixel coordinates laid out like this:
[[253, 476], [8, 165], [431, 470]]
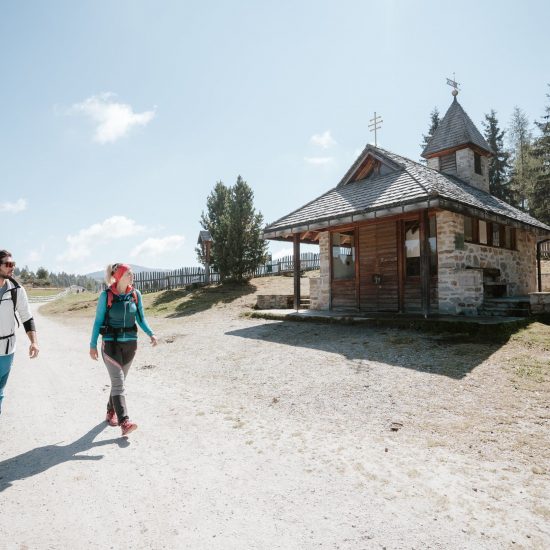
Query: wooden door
[[343, 254], [414, 233], [378, 267]]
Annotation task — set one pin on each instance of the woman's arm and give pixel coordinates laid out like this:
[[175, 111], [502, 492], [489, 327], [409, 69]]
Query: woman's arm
[[142, 321], [100, 312]]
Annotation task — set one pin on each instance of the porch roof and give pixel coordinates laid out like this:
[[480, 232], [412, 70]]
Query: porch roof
[[410, 186]]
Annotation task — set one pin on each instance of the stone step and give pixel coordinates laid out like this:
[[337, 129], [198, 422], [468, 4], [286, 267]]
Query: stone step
[[496, 302], [509, 313], [504, 308], [500, 308]]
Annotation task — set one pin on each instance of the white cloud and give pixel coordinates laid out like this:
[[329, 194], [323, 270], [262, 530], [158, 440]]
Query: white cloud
[[116, 227], [114, 120], [289, 251], [324, 140], [157, 247], [13, 207], [282, 253], [35, 255], [318, 160]]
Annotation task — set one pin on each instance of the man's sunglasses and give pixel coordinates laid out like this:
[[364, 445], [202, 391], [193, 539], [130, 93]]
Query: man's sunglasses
[[8, 264]]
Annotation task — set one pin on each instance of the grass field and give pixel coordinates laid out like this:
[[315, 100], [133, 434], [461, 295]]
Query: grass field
[[43, 291], [77, 304], [168, 303]]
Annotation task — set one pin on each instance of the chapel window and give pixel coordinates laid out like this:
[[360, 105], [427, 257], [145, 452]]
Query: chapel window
[[412, 248], [477, 164], [432, 238], [483, 232], [343, 255]]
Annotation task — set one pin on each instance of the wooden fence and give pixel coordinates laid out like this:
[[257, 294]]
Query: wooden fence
[[153, 281]]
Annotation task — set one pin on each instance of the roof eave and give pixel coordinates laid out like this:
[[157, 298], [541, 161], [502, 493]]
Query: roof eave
[[322, 224], [463, 208], [450, 150]]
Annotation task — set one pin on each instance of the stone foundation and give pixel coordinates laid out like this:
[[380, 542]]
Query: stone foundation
[[275, 301], [540, 302]]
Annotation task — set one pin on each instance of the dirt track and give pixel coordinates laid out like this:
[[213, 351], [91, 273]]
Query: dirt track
[[258, 434]]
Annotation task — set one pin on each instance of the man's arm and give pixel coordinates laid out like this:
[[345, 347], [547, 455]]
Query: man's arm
[[28, 322], [33, 348]]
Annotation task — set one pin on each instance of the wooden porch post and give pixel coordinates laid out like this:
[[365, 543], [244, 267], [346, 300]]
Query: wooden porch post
[[207, 262], [297, 296], [425, 261]]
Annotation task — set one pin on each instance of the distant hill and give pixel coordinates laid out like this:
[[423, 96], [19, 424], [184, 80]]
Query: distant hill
[[100, 275]]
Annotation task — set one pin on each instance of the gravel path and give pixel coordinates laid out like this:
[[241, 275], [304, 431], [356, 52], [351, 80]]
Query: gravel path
[[261, 434]]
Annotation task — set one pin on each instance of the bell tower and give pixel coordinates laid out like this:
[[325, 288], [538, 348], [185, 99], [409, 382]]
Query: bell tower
[[457, 147]]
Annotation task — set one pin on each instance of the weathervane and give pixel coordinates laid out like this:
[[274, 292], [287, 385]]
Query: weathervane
[[454, 84], [374, 122]]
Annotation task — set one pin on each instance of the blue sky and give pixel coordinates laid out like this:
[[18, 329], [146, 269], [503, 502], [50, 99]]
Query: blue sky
[[118, 117]]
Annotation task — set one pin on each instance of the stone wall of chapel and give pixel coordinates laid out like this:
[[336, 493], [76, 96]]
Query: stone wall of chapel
[[465, 169], [460, 288], [319, 288]]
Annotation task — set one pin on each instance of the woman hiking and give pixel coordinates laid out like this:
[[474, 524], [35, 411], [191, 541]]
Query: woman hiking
[[13, 298], [119, 308]]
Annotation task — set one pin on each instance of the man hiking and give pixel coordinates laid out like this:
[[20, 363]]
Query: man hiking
[[13, 299]]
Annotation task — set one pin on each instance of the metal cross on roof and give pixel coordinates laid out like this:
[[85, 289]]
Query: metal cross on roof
[[454, 84], [374, 122]]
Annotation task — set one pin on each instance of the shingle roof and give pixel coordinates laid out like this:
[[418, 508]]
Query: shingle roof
[[455, 129], [204, 236], [410, 183]]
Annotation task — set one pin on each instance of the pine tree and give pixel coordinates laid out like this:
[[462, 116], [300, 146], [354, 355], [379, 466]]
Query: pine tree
[[247, 248], [523, 163], [434, 123], [540, 195], [236, 229], [216, 221], [42, 273], [498, 164]]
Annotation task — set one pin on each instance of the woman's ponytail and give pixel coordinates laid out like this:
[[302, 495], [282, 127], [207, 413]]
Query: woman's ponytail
[[109, 271]]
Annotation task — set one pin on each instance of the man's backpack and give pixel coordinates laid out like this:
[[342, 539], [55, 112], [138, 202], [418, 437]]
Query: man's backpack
[[13, 291]]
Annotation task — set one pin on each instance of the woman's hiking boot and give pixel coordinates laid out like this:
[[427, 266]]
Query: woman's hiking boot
[[128, 427], [111, 417]]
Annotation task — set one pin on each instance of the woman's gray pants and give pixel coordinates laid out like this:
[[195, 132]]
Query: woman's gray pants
[[118, 357]]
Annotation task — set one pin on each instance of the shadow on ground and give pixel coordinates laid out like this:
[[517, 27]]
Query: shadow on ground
[[43, 458], [448, 354], [183, 302]]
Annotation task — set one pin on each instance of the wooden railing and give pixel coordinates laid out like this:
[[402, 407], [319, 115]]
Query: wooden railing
[[153, 281], [48, 297]]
